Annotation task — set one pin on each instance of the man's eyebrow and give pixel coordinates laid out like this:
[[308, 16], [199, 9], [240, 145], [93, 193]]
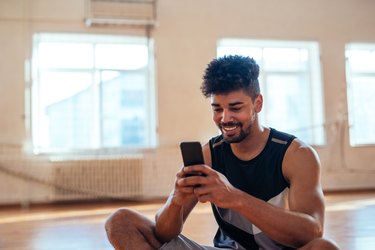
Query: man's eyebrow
[[235, 103], [230, 104]]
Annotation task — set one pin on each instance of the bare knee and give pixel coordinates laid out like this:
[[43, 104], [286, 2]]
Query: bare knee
[[129, 229], [121, 220], [321, 244]]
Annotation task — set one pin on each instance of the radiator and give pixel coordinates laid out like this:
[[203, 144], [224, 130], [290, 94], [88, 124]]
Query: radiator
[[93, 178]]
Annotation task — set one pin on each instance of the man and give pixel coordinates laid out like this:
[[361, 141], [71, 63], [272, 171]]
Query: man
[[264, 185]]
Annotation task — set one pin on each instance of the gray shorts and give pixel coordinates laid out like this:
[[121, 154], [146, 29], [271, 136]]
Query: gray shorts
[[183, 243]]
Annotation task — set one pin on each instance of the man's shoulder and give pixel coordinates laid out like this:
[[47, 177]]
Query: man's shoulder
[[282, 136]]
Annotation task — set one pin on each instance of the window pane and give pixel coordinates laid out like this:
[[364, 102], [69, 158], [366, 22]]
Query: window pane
[[124, 104], [285, 59], [362, 118], [361, 92], [66, 108], [65, 55], [56, 86], [361, 60], [118, 56], [288, 104], [71, 121]]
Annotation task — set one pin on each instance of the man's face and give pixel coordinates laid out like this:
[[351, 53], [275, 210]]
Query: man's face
[[234, 114]]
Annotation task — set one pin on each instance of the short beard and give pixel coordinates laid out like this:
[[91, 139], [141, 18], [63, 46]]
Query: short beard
[[244, 132], [236, 139]]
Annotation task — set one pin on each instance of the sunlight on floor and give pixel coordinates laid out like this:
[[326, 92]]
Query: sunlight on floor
[[350, 205]]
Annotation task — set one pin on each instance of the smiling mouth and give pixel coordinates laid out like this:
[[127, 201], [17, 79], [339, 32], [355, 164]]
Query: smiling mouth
[[229, 127]]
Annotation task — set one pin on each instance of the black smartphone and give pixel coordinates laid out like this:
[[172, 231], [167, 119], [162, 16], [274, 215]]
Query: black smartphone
[[192, 154]]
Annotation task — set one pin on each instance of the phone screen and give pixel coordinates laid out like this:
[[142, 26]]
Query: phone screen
[[192, 154]]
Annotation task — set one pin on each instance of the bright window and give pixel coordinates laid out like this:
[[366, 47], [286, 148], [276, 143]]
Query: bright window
[[92, 92], [360, 75], [290, 82]]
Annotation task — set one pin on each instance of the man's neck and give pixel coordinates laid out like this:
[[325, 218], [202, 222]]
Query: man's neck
[[252, 145]]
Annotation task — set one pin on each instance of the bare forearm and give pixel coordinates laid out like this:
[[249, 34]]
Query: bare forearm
[[284, 226], [290, 228], [169, 222]]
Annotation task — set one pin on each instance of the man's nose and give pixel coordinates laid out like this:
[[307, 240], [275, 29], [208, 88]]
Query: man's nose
[[226, 116]]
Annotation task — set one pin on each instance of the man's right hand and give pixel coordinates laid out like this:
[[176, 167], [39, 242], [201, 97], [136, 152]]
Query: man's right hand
[[183, 194]]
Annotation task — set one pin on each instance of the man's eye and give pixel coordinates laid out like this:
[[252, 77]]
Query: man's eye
[[235, 109], [218, 110]]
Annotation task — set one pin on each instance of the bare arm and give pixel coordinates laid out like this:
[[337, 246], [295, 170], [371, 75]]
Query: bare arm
[[294, 227], [304, 221], [171, 217]]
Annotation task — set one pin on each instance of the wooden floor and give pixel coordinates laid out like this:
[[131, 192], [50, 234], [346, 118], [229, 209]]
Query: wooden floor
[[350, 221]]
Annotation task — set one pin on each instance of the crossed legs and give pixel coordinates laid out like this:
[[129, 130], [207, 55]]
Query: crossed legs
[[128, 229]]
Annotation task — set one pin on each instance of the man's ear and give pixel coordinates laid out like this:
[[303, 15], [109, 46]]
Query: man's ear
[[258, 103]]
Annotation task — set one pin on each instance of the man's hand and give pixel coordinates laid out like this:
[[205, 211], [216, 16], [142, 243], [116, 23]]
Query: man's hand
[[212, 186], [183, 191]]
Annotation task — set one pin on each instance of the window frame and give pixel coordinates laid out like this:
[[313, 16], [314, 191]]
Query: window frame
[[314, 75], [95, 72], [349, 73]]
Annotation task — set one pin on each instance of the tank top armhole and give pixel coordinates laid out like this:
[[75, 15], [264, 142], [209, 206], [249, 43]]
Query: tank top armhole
[[288, 138], [289, 141], [212, 142]]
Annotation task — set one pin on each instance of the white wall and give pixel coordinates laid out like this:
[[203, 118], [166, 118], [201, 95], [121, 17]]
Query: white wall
[[185, 40]]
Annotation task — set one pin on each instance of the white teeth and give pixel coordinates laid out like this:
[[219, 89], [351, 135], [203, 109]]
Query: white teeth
[[229, 128]]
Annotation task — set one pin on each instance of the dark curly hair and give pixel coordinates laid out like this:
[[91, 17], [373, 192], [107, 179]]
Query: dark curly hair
[[230, 73]]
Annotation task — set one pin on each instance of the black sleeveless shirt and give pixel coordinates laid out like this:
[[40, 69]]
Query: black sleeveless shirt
[[260, 177]]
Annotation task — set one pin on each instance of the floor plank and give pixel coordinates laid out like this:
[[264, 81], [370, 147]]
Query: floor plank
[[350, 221]]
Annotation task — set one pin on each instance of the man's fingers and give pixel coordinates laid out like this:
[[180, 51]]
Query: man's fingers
[[198, 168], [204, 198], [181, 173], [186, 190], [192, 181]]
